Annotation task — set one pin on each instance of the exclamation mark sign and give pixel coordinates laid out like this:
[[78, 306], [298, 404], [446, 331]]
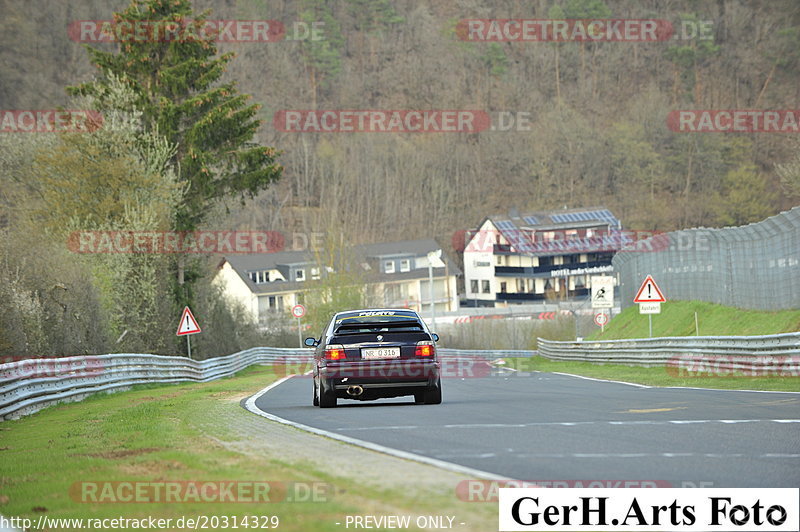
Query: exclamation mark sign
[[649, 289]]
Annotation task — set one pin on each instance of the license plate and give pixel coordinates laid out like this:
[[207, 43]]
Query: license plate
[[381, 352]]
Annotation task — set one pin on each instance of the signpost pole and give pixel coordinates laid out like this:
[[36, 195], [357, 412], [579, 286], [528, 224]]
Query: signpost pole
[[650, 320], [430, 290], [189, 345], [298, 311], [299, 333]]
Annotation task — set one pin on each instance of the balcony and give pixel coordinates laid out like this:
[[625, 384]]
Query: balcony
[[544, 271], [578, 293], [523, 296]]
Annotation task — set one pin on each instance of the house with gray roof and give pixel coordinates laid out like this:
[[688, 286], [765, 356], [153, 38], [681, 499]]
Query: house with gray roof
[[393, 274], [524, 258]]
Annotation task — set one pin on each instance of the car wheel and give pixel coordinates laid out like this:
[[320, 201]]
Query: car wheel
[[433, 396], [314, 391], [326, 399]]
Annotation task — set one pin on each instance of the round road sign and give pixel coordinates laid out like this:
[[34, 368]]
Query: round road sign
[[298, 311], [600, 319]]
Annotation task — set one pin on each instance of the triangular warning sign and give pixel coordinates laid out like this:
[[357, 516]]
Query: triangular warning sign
[[188, 324], [649, 292]]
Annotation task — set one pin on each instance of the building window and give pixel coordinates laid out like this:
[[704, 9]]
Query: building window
[[388, 266], [473, 286], [485, 287], [259, 277], [503, 287], [314, 273], [300, 275], [405, 265], [499, 260]]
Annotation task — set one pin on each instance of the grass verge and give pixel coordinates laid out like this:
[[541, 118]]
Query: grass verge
[[677, 319], [658, 376], [198, 432]]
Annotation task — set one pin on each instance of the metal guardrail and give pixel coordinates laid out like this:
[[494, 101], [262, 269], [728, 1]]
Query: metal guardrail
[[777, 354], [29, 385], [485, 353]]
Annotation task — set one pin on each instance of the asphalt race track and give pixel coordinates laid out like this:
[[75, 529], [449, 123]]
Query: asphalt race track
[[551, 427]]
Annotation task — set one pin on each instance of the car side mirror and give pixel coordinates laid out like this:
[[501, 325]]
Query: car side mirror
[[310, 342], [435, 337]]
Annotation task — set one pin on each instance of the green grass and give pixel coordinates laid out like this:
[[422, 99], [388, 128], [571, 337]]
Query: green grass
[[677, 319], [654, 376], [174, 433]]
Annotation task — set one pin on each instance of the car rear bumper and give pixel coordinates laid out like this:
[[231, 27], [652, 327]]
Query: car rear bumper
[[384, 378], [382, 371]]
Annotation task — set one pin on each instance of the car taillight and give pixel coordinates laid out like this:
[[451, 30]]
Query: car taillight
[[425, 349], [334, 352]]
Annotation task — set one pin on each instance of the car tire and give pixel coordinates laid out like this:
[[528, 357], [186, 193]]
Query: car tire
[[433, 396], [326, 399], [315, 401]]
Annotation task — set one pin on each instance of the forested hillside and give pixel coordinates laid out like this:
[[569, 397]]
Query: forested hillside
[[573, 124], [597, 111]]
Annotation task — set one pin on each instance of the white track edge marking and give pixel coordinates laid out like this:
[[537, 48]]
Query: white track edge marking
[[667, 387]]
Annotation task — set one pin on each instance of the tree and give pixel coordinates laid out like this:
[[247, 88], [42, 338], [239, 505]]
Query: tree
[[586, 10], [789, 174], [177, 86], [117, 178], [322, 57], [744, 197], [689, 59]]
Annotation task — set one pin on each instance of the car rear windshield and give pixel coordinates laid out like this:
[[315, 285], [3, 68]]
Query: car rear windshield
[[375, 316], [375, 321], [384, 326]]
